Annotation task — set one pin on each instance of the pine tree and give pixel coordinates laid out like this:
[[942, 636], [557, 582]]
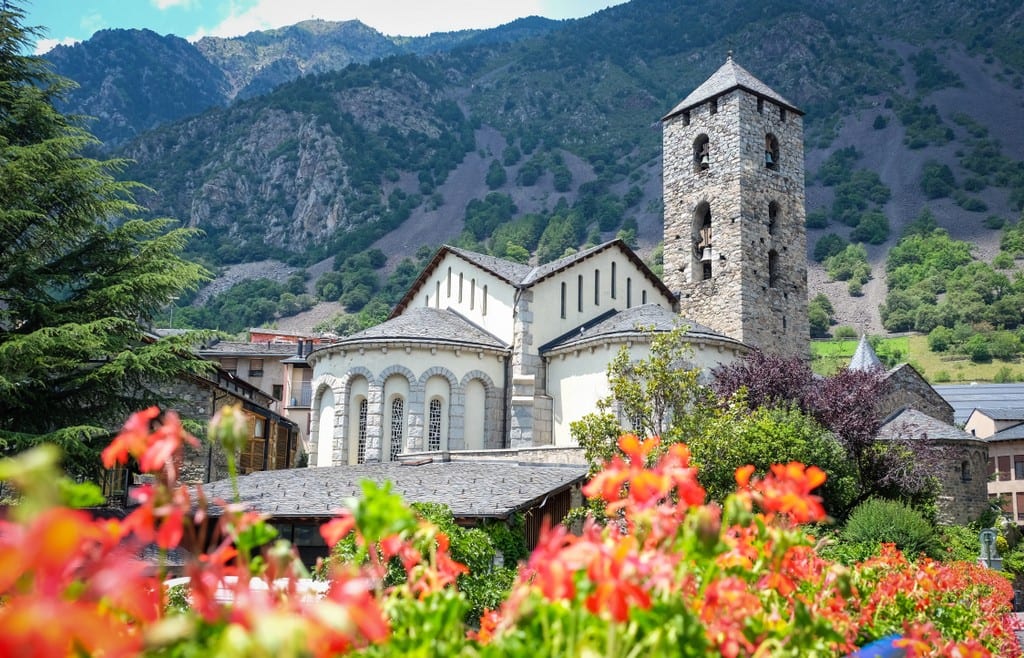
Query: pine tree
[[80, 273]]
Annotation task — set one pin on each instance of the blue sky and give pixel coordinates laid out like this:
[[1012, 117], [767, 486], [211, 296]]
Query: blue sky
[[68, 21]]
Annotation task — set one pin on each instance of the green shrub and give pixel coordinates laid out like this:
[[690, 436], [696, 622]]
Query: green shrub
[[817, 219], [937, 180], [855, 288], [1003, 376], [872, 228], [994, 222], [845, 332], [943, 376], [828, 245], [878, 521], [976, 348], [1003, 261], [940, 339], [880, 122]]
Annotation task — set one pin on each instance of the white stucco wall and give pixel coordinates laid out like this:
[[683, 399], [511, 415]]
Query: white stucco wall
[[547, 295], [485, 300], [577, 379]]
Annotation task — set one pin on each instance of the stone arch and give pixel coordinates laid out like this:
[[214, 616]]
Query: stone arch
[[701, 153], [319, 427], [396, 381], [346, 449], [481, 411]]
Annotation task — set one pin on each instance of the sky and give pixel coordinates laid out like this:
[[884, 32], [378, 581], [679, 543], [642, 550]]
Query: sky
[[70, 21]]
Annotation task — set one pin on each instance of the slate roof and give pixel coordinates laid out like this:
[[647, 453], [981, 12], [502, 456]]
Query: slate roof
[[631, 322], [235, 348], [913, 424], [730, 76], [965, 398], [470, 489], [505, 270], [1015, 433], [1006, 413], [864, 358], [423, 324]]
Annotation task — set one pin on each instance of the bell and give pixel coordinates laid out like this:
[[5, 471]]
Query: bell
[[768, 158], [704, 160], [705, 255]]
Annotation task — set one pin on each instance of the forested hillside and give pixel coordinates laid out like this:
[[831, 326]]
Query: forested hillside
[[542, 137]]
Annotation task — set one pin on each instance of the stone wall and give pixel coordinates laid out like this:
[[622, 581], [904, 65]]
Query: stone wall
[[963, 495], [906, 388], [764, 306]]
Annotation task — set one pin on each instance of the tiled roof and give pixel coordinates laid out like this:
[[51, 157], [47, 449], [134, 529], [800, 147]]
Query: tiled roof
[[864, 358], [1003, 413], [634, 321], [728, 77], [425, 325], [965, 398], [547, 269], [234, 348], [1015, 433], [505, 270], [470, 489], [913, 424]]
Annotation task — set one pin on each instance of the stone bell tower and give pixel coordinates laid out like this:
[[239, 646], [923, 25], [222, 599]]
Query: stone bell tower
[[735, 240]]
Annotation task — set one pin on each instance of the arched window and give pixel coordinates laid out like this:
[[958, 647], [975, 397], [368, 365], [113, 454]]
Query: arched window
[[771, 151], [361, 445], [773, 217], [397, 425], [437, 295], [703, 250], [472, 294], [701, 153], [563, 300], [579, 293], [460, 287], [434, 426], [597, 287], [773, 268], [483, 301], [613, 281], [643, 297], [449, 283], [629, 292], [965, 471]]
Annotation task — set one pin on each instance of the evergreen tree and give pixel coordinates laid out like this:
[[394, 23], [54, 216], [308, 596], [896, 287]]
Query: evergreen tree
[[80, 274]]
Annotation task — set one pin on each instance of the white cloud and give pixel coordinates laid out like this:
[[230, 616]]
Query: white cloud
[[46, 45], [167, 4], [393, 17]]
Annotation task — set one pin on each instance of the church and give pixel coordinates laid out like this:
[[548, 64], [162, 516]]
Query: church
[[483, 353]]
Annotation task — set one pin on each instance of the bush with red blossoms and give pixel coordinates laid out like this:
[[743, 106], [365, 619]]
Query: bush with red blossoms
[[668, 574]]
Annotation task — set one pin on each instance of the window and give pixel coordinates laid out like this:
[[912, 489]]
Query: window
[[1018, 467], [760, 106], [597, 287], [686, 118], [965, 471], [773, 268], [434, 426], [259, 428], [1020, 506], [1004, 467], [613, 280], [629, 292], [643, 297], [472, 294], [773, 217], [579, 293], [703, 251], [277, 391], [563, 300], [449, 283], [427, 302], [397, 425], [713, 106], [437, 295], [230, 364], [771, 151], [782, 114], [255, 367], [361, 446], [484, 302], [701, 153], [460, 287]]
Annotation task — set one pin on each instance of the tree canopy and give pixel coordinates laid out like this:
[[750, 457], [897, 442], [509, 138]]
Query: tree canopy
[[81, 273]]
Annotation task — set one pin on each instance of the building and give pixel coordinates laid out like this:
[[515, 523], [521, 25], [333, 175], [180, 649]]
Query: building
[[1003, 430], [483, 353], [275, 362]]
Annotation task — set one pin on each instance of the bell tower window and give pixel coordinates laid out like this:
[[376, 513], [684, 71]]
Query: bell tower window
[[773, 268], [702, 247], [771, 151], [701, 154], [773, 217]]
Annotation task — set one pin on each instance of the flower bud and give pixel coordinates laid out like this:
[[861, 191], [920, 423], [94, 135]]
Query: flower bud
[[230, 428]]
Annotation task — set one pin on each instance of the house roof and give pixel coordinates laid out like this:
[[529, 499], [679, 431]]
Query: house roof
[[632, 322], [965, 398], [424, 325], [912, 424], [1002, 413], [1015, 433], [864, 358], [237, 348], [524, 276], [470, 489], [730, 76]]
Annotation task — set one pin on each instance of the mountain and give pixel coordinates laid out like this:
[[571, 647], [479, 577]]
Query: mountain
[[546, 134]]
